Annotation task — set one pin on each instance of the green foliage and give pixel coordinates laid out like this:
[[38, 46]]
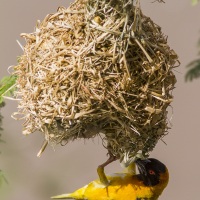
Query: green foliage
[[3, 185], [194, 2], [194, 72], [7, 86], [2, 179], [1, 117]]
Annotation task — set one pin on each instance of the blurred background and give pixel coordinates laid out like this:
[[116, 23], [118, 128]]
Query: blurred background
[[67, 168]]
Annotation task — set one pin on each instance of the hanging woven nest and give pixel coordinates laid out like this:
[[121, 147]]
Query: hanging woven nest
[[97, 68]]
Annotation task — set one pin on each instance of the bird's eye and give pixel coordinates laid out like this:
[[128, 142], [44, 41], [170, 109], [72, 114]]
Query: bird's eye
[[151, 172]]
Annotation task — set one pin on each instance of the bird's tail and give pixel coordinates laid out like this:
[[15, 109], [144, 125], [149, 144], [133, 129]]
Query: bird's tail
[[63, 196], [78, 194]]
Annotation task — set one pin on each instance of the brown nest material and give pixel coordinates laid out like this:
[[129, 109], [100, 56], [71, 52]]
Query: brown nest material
[[97, 67]]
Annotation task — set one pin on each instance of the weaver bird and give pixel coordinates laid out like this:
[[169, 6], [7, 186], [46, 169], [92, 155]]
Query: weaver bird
[[147, 185]]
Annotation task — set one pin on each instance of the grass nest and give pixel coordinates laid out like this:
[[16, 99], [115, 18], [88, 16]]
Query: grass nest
[[97, 68]]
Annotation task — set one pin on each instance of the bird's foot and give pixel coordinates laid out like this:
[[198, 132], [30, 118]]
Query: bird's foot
[[102, 176], [100, 170]]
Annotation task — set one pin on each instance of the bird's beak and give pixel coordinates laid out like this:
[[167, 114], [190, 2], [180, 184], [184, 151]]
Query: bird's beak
[[141, 165]]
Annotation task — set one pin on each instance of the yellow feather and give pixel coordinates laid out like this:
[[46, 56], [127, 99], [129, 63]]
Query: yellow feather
[[123, 186]]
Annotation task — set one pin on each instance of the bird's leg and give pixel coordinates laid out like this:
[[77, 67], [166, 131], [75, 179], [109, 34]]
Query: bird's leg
[[100, 169]]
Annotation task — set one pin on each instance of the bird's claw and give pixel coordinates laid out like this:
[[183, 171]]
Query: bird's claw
[[100, 170], [102, 176]]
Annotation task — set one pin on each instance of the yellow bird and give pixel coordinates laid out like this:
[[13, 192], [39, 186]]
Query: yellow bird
[[147, 185]]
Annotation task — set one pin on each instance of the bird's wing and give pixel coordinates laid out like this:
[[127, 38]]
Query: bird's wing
[[88, 192], [122, 187]]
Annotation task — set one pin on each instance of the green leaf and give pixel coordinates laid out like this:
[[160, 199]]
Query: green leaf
[[194, 72], [7, 86], [195, 2], [2, 179]]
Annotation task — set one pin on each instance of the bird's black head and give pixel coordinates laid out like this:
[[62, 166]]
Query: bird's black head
[[151, 171]]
